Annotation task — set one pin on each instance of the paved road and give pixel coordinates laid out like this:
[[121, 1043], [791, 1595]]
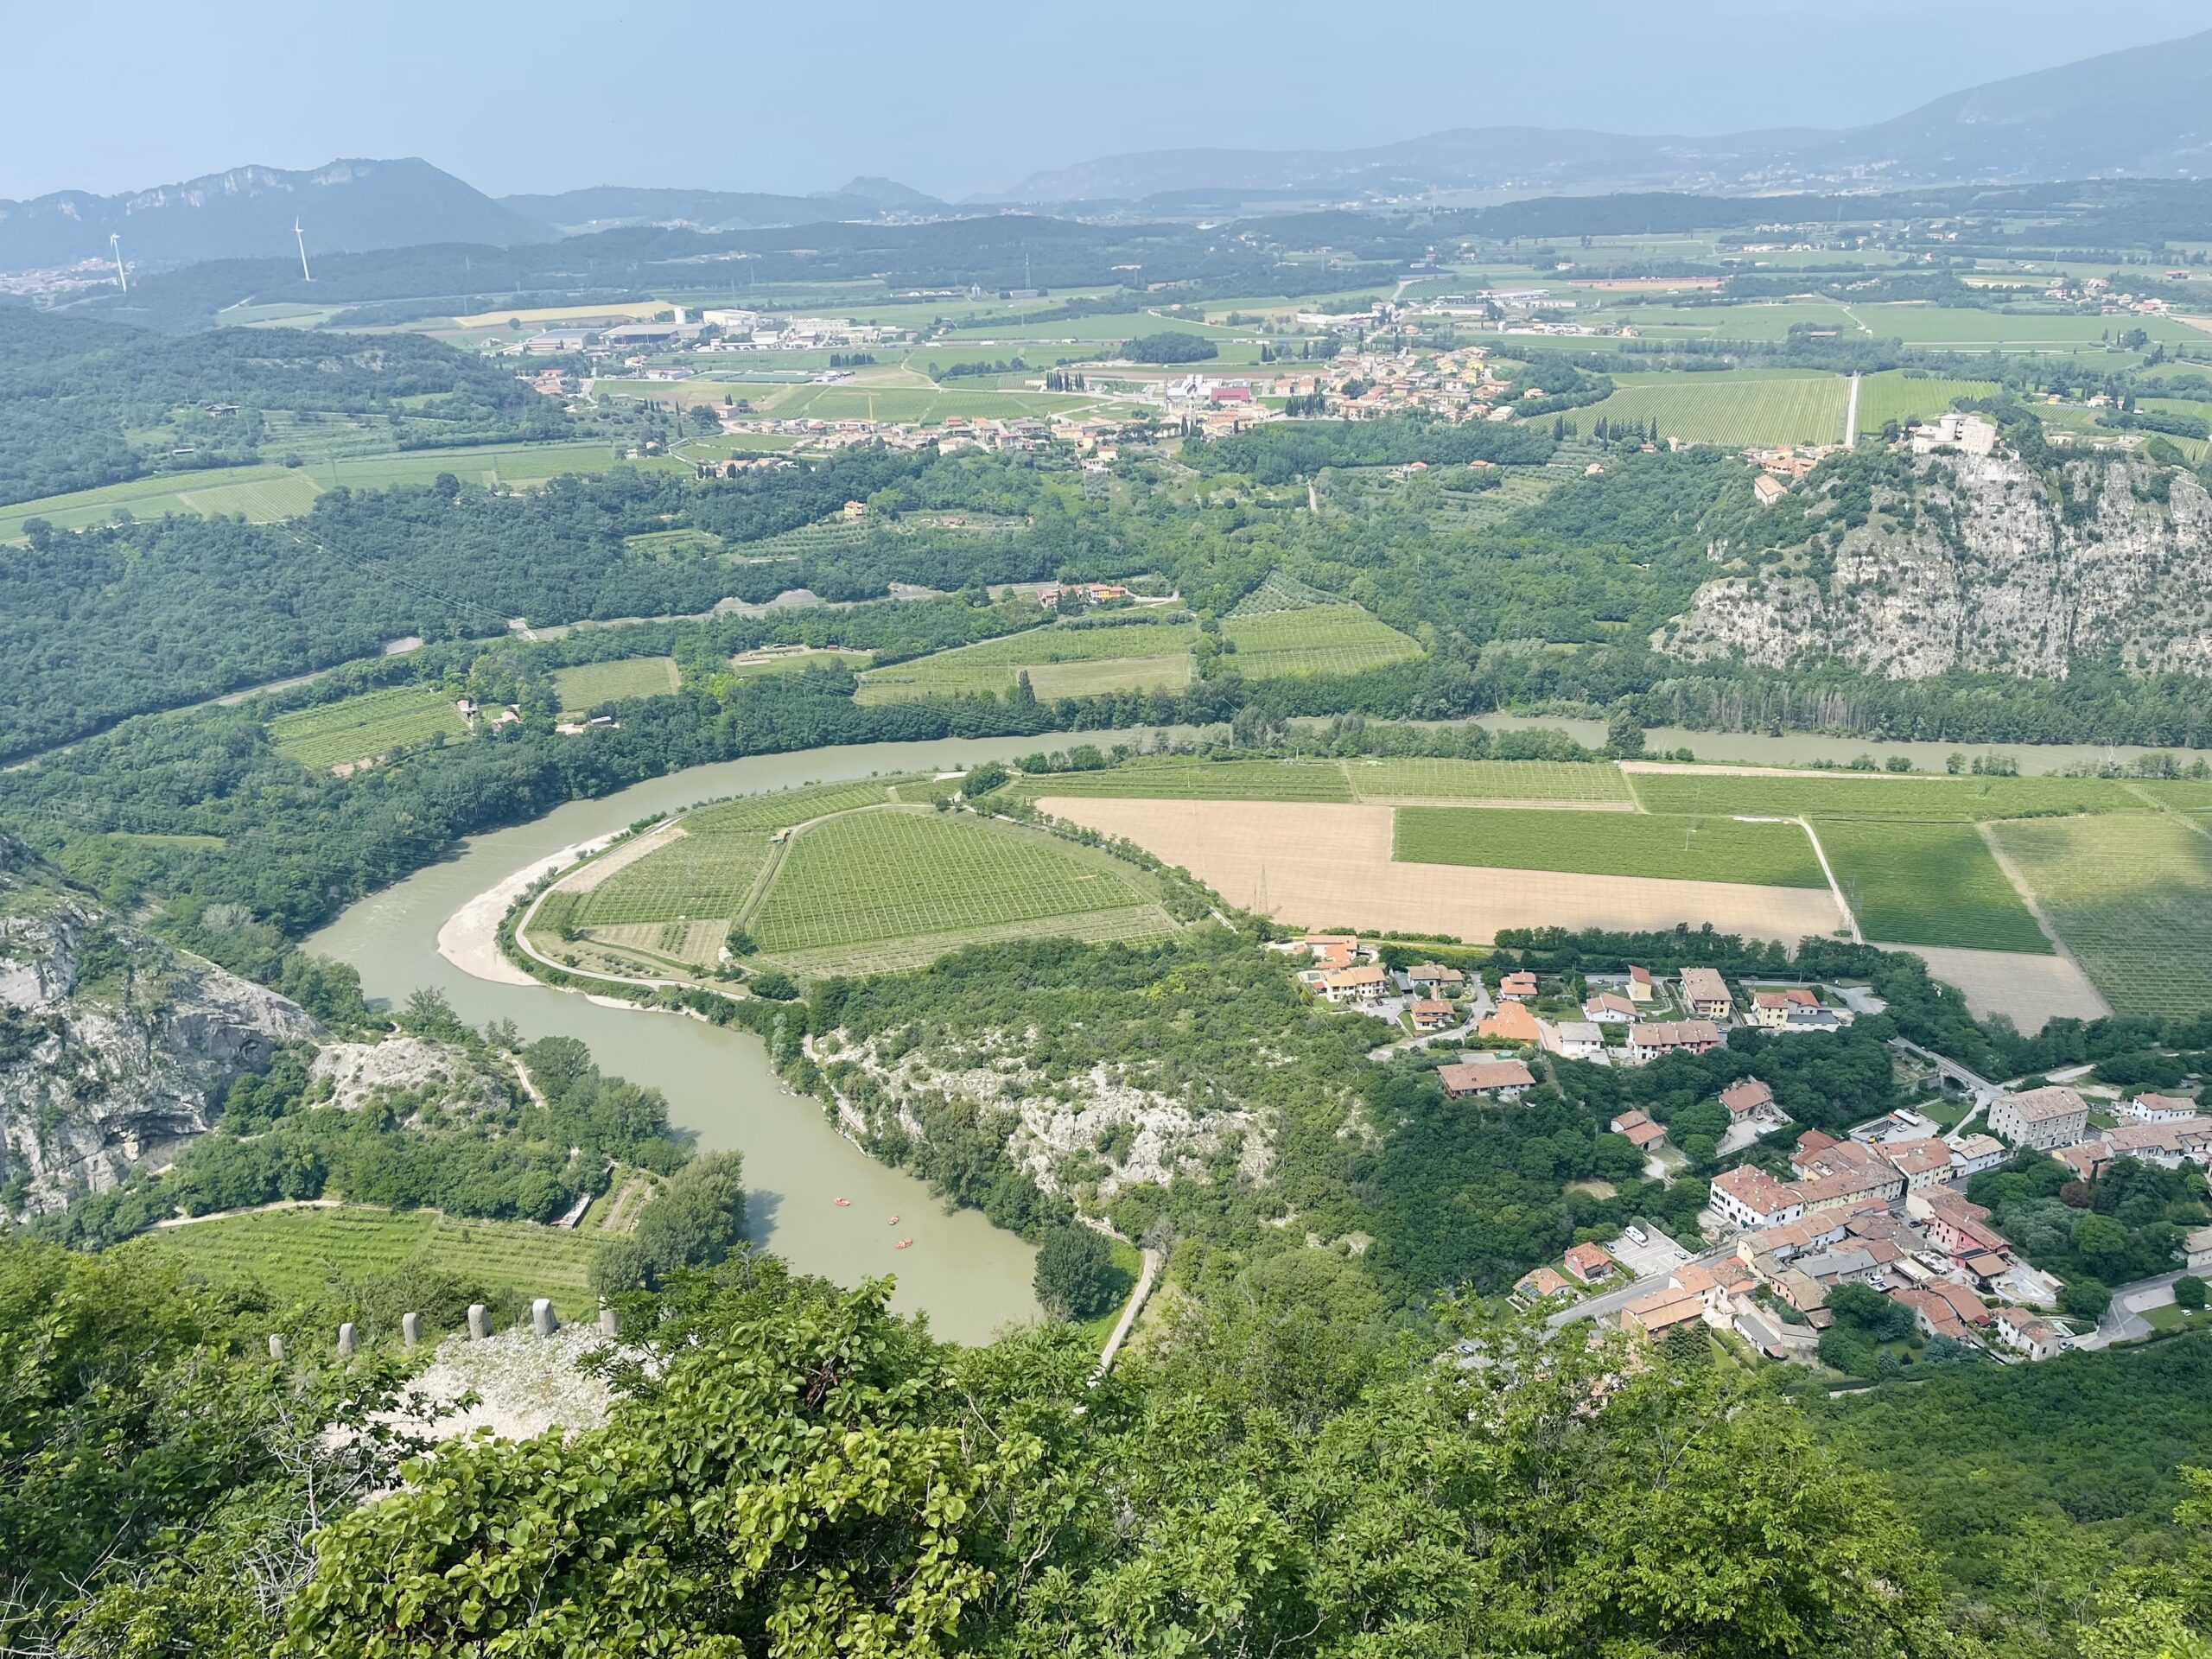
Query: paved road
[[2123, 1321], [1606, 1304]]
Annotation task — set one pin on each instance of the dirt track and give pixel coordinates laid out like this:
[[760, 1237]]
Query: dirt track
[[1331, 865]]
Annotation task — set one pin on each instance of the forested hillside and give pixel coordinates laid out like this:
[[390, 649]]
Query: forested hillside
[[85, 402]]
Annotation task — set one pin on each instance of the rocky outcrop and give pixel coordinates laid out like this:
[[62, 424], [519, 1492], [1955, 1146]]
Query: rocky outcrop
[[115, 1047], [1093, 1129], [1977, 562]]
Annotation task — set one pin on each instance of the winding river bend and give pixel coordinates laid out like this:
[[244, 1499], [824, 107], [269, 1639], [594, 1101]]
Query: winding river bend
[[968, 1276]]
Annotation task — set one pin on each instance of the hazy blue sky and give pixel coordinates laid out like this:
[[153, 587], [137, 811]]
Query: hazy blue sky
[[954, 99]]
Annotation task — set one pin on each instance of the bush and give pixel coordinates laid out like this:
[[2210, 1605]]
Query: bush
[[2189, 1293], [774, 984], [2086, 1299]]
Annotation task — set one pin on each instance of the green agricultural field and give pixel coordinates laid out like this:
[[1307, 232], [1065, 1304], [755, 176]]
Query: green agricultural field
[[1609, 843], [366, 726], [664, 543], [2132, 898], [1318, 639], [1199, 780], [1487, 780], [300, 1253], [710, 870], [922, 406], [1892, 395], [908, 874], [220, 489], [1856, 795], [1928, 884], [511, 464], [1061, 662], [1733, 409], [1107, 326], [589, 684]]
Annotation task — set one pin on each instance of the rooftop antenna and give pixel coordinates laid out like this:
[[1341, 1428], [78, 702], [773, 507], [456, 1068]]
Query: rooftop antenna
[[115, 246], [305, 276]]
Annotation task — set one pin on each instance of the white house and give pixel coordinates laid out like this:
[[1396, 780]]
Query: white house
[[2046, 1118]]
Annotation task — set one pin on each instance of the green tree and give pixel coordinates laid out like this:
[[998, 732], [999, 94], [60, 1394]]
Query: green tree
[[2190, 1292], [1075, 1278]]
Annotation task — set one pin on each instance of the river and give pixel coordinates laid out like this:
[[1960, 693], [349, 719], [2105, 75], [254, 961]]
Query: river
[[970, 1277]]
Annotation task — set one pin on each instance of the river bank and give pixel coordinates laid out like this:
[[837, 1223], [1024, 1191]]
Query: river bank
[[439, 927]]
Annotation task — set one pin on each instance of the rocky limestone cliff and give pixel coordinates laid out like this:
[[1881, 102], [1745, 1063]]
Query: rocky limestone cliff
[[114, 1046], [1974, 563]]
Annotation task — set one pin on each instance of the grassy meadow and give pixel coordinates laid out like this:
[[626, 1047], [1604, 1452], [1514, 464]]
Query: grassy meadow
[[589, 684]]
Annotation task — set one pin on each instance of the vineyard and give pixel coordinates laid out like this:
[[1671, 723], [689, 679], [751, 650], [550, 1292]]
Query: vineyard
[[1199, 780], [1495, 781], [366, 726], [1061, 661], [296, 1254], [2132, 898], [1332, 639], [590, 684], [1928, 884], [1925, 799], [909, 874], [1609, 843]]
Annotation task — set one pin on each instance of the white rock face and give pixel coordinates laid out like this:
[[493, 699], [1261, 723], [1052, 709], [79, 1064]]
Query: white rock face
[[114, 1047], [1980, 571], [1093, 1121], [356, 1072]]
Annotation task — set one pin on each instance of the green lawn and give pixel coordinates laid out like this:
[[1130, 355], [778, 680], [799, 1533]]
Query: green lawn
[[2133, 900], [589, 684], [1061, 661], [299, 1253], [366, 726], [905, 874], [1318, 640], [1609, 843], [1874, 795], [1938, 884]]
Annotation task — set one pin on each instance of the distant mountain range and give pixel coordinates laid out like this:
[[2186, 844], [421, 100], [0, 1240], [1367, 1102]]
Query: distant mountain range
[[348, 206], [2144, 112], [2141, 113], [605, 207]]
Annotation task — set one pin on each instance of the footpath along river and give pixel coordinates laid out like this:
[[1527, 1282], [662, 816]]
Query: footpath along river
[[970, 1277]]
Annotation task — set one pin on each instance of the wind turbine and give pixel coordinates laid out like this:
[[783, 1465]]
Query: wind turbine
[[305, 276], [115, 247]]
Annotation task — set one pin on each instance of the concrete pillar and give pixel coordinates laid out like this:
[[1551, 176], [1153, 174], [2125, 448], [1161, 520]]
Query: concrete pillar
[[479, 1322], [610, 1322], [410, 1329], [276, 1346], [541, 1316], [347, 1340]]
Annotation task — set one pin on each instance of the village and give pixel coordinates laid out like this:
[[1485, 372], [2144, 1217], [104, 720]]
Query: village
[[1879, 1213]]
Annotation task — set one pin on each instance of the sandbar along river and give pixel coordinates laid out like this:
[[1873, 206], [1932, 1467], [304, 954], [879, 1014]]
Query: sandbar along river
[[968, 1276]]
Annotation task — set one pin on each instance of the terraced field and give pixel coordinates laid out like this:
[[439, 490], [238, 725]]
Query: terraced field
[[1934, 884], [589, 684], [2133, 900], [366, 726], [912, 875], [1318, 640], [1061, 662], [1609, 843], [299, 1253]]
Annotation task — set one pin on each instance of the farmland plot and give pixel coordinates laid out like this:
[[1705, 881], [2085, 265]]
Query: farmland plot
[[366, 726], [1609, 843], [1863, 796], [589, 684], [2131, 897], [1318, 640], [1934, 884]]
